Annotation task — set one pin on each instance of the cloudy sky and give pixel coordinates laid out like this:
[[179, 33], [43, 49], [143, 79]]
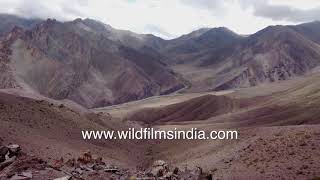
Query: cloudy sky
[[171, 18]]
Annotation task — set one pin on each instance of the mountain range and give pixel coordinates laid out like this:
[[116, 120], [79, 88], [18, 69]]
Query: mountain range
[[97, 65]]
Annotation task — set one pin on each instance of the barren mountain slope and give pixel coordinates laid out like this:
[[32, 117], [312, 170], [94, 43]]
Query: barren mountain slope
[[61, 61], [285, 152], [8, 22], [195, 46], [52, 131], [125, 37], [309, 30], [273, 54], [278, 133]]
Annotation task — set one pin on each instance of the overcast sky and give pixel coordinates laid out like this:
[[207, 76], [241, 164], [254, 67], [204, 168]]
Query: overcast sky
[[172, 18]]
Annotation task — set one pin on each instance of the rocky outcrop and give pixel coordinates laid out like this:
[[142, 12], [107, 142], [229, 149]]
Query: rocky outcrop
[[7, 79], [17, 165]]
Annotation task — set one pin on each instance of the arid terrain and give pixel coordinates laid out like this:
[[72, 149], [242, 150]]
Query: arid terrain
[[59, 78]]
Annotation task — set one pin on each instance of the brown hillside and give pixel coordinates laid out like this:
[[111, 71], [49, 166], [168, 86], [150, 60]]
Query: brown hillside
[[200, 108]]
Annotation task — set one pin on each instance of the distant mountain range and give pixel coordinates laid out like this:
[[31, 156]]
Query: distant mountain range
[[219, 59], [96, 65]]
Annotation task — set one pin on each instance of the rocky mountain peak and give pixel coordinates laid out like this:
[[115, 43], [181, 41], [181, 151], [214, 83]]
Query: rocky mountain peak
[[14, 33]]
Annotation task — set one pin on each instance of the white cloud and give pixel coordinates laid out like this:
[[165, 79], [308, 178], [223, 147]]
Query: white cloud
[[170, 18], [283, 10]]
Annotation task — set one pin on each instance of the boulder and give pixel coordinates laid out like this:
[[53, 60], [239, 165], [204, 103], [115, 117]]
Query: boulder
[[97, 167], [176, 170], [159, 163], [159, 168], [85, 168], [85, 158], [77, 171], [168, 175], [2, 159], [22, 176], [99, 160], [63, 178], [3, 150], [7, 162], [14, 149], [157, 171]]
